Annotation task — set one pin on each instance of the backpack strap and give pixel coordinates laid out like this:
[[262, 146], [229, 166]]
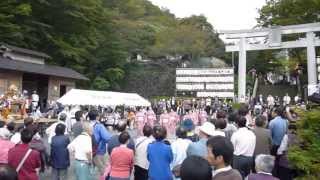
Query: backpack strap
[[140, 143], [23, 160]]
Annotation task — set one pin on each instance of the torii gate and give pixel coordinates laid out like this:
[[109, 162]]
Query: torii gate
[[274, 34]]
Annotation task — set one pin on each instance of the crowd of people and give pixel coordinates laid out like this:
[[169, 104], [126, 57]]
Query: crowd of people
[[205, 141]]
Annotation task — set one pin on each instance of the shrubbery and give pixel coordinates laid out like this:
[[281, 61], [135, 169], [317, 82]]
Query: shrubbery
[[305, 157]]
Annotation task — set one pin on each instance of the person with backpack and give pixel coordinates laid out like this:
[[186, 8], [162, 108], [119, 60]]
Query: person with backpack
[[100, 139], [25, 160]]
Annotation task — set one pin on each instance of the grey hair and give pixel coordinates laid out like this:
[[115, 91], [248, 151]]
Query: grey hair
[[87, 127], [264, 163]]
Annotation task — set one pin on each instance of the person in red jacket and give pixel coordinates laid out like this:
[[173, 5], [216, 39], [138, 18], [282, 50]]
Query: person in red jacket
[[25, 160]]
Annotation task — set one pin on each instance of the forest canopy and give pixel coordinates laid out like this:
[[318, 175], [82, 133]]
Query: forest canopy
[[99, 38]]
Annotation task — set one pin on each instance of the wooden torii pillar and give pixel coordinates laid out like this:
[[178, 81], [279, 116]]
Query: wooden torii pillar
[[274, 42]]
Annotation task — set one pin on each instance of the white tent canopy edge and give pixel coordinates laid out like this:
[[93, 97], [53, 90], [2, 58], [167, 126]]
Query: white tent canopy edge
[[102, 98]]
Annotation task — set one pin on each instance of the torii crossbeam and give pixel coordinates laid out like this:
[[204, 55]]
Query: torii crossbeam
[[274, 34]]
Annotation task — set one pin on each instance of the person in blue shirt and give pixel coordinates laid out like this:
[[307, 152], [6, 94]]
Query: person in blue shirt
[[278, 127], [100, 137], [160, 156], [59, 156]]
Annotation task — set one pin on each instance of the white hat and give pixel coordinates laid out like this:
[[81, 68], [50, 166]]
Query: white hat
[[4, 133], [208, 128]]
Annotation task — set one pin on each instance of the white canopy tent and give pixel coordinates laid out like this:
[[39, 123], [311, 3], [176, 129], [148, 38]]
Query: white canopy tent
[[102, 98]]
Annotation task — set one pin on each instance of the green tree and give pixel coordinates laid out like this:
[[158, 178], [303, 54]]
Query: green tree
[[288, 12], [9, 11], [304, 155]]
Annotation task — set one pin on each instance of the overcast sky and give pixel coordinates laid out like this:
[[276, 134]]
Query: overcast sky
[[222, 14]]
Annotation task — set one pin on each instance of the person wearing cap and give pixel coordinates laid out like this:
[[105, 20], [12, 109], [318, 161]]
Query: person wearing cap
[[3, 129], [50, 131], [16, 137], [200, 148], [5, 145], [189, 127]]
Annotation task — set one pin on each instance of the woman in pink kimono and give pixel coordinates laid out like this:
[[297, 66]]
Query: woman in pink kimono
[[195, 117], [140, 121], [151, 117], [173, 121], [165, 119], [203, 116]]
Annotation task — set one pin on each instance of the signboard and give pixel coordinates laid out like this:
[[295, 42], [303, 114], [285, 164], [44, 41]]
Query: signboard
[[206, 81], [211, 71]]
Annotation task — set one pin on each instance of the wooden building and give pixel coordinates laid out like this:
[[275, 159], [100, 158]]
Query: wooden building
[[27, 70]]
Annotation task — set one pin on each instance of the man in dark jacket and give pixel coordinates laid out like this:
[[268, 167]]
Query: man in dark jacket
[[263, 136], [59, 156]]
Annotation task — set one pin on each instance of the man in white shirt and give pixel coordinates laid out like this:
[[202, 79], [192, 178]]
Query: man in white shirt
[[50, 131], [270, 101], [81, 147], [244, 142], [208, 101], [297, 99], [35, 100], [179, 147], [286, 99], [141, 163], [257, 109], [70, 120], [261, 101]]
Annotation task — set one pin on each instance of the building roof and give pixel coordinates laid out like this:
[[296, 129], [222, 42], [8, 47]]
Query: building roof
[[23, 50], [44, 69]]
